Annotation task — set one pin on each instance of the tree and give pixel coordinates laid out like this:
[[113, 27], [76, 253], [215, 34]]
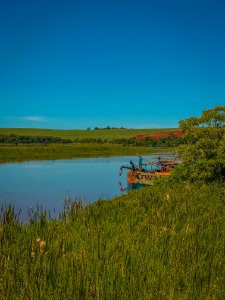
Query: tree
[[203, 155]]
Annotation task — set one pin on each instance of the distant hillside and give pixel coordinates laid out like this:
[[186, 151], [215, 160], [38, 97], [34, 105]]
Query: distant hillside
[[79, 134]]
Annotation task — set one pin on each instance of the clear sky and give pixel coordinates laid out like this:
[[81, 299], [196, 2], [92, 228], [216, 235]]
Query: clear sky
[[86, 63]]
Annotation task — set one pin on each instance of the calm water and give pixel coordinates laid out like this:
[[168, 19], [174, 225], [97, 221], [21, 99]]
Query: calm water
[[47, 183]]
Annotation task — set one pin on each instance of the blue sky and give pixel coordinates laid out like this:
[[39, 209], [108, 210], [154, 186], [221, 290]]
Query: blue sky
[[137, 64]]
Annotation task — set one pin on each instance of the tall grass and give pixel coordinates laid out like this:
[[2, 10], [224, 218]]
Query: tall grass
[[162, 242]]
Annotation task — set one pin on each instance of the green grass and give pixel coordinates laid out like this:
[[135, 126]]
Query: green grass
[[73, 134], [162, 242], [61, 151]]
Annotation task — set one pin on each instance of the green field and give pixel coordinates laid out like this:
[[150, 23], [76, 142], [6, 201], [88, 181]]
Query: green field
[[74, 134], [161, 242], [10, 153]]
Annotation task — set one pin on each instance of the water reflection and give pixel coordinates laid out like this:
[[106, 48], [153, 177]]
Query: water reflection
[[130, 187]]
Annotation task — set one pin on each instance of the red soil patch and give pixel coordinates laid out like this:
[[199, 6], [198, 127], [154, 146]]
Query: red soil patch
[[160, 135]]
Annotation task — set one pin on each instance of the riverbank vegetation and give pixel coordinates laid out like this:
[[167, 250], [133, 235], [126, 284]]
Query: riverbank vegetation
[[10, 153], [161, 242], [203, 153]]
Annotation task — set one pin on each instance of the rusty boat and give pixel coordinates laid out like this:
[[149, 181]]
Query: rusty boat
[[146, 172]]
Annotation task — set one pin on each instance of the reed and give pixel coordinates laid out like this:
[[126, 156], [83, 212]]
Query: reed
[[161, 242]]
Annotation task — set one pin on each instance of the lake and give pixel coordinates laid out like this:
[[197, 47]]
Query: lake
[[48, 183]]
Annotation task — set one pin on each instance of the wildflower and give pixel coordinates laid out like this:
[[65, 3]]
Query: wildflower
[[41, 245]]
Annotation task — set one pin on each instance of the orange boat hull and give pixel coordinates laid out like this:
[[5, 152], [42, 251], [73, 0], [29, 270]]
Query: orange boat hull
[[147, 178]]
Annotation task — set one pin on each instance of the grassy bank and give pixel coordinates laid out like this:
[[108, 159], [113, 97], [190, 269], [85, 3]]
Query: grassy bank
[[81, 134], [9, 153], [162, 242]]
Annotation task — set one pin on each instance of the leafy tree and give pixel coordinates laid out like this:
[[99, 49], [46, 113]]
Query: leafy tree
[[203, 154]]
